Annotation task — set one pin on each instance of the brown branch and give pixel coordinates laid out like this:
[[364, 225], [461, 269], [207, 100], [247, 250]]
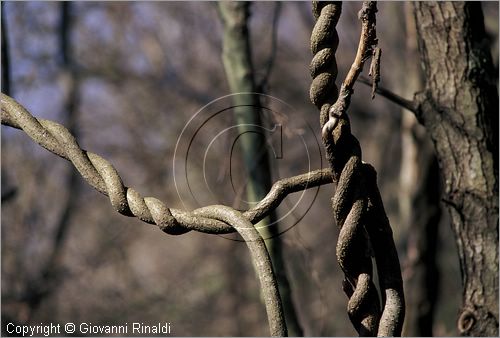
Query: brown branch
[[367, 43], [391, 96], [6, 71], [375, 69], [49, 276]]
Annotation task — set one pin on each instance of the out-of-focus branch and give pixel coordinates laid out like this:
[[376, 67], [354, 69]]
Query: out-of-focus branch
[[240, 74], [262, 85], [391, 96], [9, 194], [6, 88]]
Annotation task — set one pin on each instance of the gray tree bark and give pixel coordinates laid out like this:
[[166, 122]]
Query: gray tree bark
[[459, 108]]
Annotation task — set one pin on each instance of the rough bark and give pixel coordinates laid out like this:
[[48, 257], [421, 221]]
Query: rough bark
[[459, 108], [237, 58]]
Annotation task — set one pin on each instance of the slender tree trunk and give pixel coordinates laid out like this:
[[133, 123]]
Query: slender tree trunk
[[419, 202], [240, 74], [459, 108]]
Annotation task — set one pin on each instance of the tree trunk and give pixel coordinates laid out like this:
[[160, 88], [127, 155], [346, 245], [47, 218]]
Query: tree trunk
[[240, 74], [459, 108]]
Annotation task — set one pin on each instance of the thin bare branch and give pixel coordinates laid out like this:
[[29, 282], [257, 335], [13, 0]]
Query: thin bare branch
[[262, 85], [367, 44], [391, 96], [6, 71], [375, 69], [282, 188], [48, 278]]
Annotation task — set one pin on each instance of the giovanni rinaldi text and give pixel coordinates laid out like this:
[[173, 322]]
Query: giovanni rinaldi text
[[87, 328]]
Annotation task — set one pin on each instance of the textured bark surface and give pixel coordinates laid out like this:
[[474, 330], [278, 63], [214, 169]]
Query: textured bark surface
[[459, 108]]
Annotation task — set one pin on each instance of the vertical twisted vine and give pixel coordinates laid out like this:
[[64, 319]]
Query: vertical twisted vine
[[357, 206], [324, 43]]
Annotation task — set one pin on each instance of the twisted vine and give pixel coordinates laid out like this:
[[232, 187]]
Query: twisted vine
[[357, 207], [101, 175], [260, 259]]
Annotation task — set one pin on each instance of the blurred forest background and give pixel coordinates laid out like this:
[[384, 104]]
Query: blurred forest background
[[126, 78]]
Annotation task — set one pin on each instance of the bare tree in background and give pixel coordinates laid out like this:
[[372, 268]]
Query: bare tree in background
[[237, 59], [132, 87]]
